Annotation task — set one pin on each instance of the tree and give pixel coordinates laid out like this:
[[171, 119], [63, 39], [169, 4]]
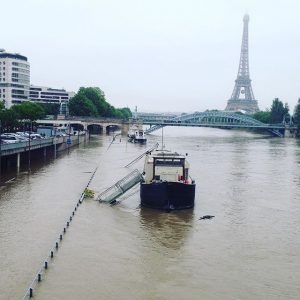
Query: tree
[[50, 108], [96, 95], [278, 111], [126, 112], [2, 106], [9, 120], [297, 117], [28, 111], [263, 116], [80, 105], [91, 101]]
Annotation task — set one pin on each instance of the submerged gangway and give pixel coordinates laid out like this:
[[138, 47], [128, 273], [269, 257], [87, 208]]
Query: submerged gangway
[[119, 188]]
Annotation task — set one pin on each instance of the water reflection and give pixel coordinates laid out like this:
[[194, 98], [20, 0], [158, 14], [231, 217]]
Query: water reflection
[[170, 230]]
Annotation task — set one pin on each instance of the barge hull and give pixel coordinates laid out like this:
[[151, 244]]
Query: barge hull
[[167, 195]]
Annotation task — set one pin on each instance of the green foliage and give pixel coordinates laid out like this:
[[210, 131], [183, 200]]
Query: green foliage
[[91, 101], [9, 120], [2, 106], [263, 116], [126, 112], [80, 105], [50, 108], [28, 111], [297, 117], [89, 193], [278, 111]]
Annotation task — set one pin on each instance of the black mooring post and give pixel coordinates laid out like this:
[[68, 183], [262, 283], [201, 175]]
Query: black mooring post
[[30, 293]]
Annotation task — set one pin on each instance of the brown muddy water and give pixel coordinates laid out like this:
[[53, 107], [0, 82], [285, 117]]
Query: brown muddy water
[[250, 250]]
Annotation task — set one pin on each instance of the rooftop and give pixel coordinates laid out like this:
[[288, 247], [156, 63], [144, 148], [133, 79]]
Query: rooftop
[[4, 54]]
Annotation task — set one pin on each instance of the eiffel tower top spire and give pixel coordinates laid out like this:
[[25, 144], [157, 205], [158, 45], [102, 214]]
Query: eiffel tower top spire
[[242, 97], [244, 58]]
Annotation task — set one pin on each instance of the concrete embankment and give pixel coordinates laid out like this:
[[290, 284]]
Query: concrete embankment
[[17, 154]]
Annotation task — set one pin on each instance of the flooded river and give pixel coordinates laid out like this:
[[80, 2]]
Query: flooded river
[[250, 250]]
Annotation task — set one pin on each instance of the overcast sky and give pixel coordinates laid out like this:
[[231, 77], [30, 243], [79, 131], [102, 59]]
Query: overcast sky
[[161, 55]]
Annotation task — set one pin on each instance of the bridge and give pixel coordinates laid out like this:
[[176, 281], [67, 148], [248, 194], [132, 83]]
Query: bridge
[[91, 124], [215, 119]]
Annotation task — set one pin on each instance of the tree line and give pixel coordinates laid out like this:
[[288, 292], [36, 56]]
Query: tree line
[[88, 101], [91, 102], [278, 113]]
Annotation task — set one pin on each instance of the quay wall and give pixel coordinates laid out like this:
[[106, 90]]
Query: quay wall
[[23, 153]]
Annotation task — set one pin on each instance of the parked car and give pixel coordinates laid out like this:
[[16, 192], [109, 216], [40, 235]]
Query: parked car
[[9, 139], [36, 136], [60, 134]]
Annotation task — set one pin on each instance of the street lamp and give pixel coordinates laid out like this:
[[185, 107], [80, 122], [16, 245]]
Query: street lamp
[[29, 150], [0, 148], [54, 142], [69, 140]]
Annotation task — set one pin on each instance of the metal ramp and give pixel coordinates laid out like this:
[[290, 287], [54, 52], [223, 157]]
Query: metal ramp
[[120, 187], [153, 128], [276, 132]]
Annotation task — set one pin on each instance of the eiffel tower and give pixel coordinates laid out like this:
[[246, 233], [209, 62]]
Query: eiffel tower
[[242, 97]]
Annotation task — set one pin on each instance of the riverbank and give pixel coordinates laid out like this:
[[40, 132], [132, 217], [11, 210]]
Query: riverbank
[[19, 156]]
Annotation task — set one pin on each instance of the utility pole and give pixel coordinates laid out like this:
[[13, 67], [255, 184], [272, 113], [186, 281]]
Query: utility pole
[[0, 149], [29, 150], [69, 141], [54, 142]]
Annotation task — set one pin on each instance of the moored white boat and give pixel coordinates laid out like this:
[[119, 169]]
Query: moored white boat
[[136, 135]]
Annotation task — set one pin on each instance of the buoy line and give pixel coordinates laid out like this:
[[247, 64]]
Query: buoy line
[[49, 258]]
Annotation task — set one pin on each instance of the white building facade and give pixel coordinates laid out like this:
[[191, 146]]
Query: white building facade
[[14, 78], [42, 94]]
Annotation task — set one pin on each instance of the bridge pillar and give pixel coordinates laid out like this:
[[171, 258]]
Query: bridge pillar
[[18, 162], [125, 128], [288, 133]]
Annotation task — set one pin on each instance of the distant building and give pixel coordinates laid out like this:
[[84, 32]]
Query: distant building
[[41, 94], [15, 83], [14, 78]]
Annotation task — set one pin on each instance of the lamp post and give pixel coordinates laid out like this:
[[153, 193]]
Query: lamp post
[[54, 142], [0, 149], [29, 152], [69, 141]]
